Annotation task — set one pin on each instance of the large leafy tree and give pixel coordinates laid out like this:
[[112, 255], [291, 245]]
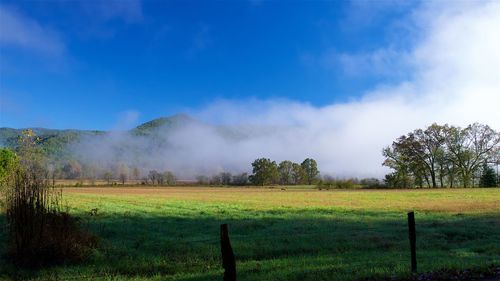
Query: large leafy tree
[[422, 149], [298, 174], [285, 170], [310, 168], [401, 177], [470, 147], [265, 172], [442, 153]]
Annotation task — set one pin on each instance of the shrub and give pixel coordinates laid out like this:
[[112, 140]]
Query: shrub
[[336, 184], [39, 232], [371, 183]]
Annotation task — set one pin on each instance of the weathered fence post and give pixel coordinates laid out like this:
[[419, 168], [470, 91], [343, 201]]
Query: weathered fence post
[[228, 260], [413, 241]]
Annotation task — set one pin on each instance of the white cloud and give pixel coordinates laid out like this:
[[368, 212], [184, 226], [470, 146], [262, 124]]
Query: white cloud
[[19, 31], [454, 77]]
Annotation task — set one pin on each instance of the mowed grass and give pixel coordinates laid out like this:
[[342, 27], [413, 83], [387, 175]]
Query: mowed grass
[[295, 234]]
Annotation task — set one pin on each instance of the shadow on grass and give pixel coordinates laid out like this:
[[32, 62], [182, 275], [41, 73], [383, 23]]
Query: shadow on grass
[[306, 244]]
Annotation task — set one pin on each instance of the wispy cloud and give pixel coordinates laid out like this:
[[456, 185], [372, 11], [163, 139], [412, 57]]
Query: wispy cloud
[[381, 62], [361, 14], [129, 11], [127, 119], [20, 31], [201, 40]]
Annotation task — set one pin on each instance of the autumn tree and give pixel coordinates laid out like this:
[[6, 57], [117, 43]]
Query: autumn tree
[[72, 169]]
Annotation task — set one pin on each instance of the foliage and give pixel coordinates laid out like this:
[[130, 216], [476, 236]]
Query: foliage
[[285, 169], [240, 179], [336, 184], [169, 178], [310, 168], [8, 164], [53, 144], [165, 178], [72, 169], [39, 232], [298, 174], [265, 172], [488, 177], [166, 123], [56, 146], [440, 155], [371, 183]]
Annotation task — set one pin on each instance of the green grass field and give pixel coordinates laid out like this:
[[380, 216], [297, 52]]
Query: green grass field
[[297, 234]]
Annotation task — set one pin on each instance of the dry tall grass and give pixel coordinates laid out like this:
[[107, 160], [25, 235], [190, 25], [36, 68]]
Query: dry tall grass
[[40, 232]]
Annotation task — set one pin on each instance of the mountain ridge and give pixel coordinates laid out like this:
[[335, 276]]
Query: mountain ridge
[[54, 141]]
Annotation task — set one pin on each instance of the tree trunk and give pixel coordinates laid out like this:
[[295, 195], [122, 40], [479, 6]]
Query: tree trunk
[[427, 180], [433, 176]]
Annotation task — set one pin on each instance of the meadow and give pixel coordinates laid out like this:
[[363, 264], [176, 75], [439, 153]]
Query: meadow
[[172, 233]]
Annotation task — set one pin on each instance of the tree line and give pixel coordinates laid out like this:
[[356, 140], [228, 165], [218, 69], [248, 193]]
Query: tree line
[[437, 156], [444, 156], [266, 171]]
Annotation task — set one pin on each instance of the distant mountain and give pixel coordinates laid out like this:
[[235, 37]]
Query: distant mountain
[[54, 142], [179, 143], [166, 123]]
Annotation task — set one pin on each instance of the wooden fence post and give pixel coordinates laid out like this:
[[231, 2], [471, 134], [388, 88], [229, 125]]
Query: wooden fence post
[[228, 260], [413, 241]]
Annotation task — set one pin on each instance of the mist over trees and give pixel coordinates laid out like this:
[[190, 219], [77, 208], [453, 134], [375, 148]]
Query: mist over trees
[[436, 156], [442, 156]]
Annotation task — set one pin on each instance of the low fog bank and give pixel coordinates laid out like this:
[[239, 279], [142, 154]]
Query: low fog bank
[[454, 78]]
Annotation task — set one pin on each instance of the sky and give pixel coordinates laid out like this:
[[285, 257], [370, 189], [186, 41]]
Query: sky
[[87, 64], [339, 79]]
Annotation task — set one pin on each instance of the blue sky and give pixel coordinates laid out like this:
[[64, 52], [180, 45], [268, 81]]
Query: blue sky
[[94, 64]]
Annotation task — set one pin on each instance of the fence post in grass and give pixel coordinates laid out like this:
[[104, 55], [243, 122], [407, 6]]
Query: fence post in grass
[[228, 260], [413, 241]]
